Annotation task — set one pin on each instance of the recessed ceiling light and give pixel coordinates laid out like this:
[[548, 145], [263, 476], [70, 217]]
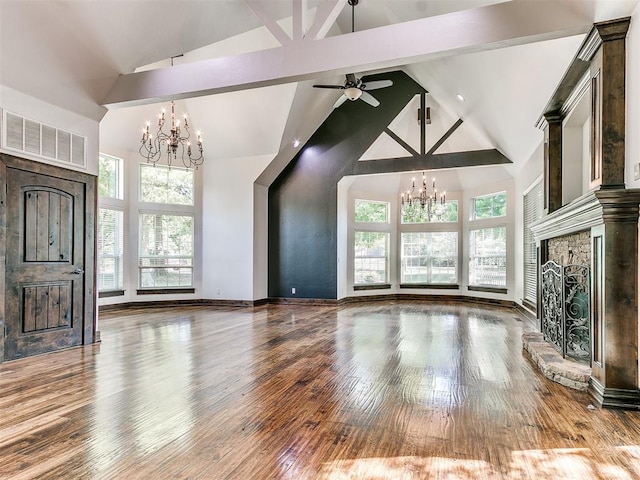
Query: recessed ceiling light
[[296, 143], [460, 97]]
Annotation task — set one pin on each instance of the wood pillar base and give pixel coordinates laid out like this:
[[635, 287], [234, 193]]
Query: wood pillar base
[[614, 397]]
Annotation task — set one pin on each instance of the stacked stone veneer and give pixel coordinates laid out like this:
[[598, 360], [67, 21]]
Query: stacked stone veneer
[[571, 249]]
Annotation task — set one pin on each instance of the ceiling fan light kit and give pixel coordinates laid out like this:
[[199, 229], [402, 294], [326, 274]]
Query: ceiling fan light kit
[[353, 93]]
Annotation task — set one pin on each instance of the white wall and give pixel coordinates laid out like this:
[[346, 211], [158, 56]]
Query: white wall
[[228, 228], [34, 109]]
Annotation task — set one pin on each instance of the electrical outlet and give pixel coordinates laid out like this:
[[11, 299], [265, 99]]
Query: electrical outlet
[[218, 292], [293, 290], [636, 171]]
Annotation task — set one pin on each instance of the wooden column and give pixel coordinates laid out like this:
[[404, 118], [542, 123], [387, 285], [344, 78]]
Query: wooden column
[[610, 60], [553, 162], [614, 303]]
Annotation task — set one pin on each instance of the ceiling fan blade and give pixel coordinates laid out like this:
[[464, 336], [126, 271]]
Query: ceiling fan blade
[[370, 99], [351, 78], [336, 87], [340, 101], [377, 84]]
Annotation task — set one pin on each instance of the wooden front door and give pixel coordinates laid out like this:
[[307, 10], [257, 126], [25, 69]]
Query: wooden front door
[[45, 270]]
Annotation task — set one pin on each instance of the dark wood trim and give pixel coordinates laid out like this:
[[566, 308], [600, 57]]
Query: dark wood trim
[[400, 141], [622, 398], [3, 246], [526, 312], [432, 162], [302, 301], [431, 286], [178, 304], [553, 162], [312, 301], [530, 306], [379, 286], [164, 291], [444, 137], [477, 288], [110, 293], [417, 297]]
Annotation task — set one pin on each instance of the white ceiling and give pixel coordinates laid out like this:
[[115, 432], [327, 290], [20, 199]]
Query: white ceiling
[[70, 53]]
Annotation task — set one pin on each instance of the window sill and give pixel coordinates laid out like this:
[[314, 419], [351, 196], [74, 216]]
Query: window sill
[[379, 286], [110, 293], [164, 291], [477, 288], [434, 286]]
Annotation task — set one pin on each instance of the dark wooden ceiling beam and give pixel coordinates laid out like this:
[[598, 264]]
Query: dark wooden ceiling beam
[[401, 142], [473, 158]]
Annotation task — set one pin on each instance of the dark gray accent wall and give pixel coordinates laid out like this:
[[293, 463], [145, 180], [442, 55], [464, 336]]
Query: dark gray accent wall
[[303, 199]]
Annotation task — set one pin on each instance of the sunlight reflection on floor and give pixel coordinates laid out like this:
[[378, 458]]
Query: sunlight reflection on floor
[[623, 463]]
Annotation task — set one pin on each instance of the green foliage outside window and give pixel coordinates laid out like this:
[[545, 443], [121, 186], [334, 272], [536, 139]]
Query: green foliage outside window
[[166, 250], [442, 213], [489, 206], [160, 184], [371, 211], [109, 177], [370, 257]]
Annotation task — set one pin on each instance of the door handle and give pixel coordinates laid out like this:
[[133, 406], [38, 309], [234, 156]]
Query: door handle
[[78, 271]]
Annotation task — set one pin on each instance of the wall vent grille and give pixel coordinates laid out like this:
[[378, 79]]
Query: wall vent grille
[[40, 140]]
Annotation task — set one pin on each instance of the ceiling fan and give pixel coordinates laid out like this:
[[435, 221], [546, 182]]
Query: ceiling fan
[[354, 88]]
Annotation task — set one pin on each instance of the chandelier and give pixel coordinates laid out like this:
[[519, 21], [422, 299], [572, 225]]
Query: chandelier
[[173, 144], [432, 203]]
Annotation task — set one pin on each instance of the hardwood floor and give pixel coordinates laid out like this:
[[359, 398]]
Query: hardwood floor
[[366, 391]]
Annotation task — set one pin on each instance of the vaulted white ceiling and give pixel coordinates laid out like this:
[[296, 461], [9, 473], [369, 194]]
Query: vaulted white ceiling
[[70, 53]]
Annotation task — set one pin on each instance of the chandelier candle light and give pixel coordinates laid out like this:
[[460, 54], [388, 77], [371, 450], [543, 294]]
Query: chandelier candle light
[[433, 201], [152, 147]]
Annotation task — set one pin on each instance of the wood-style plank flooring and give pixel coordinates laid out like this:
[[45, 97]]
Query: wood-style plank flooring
[[366, 391]]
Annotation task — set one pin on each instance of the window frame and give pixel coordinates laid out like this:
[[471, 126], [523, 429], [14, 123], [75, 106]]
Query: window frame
[[473, 214], [365, 285], [381, 202], [168, 169], [430, 283], [472, 257], [119, 177], [117, 203], [119, 257], [159, 208], [141, 267], [429, 222]]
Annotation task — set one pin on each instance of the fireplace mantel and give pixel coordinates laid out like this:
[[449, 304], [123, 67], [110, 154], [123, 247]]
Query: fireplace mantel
[[583, 213]]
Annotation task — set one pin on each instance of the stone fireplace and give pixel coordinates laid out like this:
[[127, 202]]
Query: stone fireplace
[[599, 227]]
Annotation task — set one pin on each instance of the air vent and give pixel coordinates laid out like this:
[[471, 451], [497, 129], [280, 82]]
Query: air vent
[[40, 140]]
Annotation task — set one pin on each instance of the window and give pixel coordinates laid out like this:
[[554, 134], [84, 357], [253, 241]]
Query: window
[[110, 251], [488, 257], [532, 211], [371, 258], [166, 250], [489, 206], [371, 211], [110, 220], [110, 183], [171, 186], [429, 258], [447, 212]]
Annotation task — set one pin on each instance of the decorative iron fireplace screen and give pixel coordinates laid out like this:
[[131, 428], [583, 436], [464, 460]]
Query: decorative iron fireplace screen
[[565, 309]]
